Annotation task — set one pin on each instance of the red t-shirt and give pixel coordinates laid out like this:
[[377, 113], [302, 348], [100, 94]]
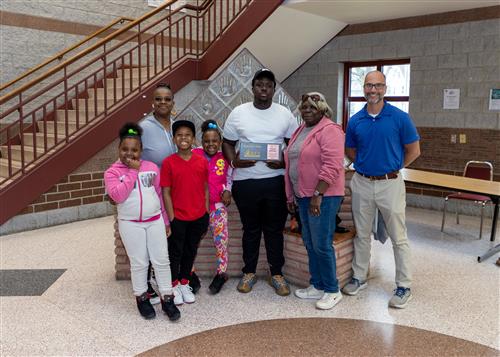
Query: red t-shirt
[[187, 180]]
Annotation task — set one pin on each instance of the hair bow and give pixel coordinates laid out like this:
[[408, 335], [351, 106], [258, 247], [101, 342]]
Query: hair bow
[[212, 126], [133, 132]]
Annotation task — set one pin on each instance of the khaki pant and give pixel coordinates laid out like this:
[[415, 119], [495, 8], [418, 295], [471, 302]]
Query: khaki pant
[[389, 196]]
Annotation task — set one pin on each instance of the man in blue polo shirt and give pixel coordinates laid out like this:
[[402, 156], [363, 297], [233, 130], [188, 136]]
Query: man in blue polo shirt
[[380, 140]]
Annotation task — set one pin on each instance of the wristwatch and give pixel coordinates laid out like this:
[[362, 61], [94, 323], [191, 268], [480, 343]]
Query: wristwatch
[[317, 193]]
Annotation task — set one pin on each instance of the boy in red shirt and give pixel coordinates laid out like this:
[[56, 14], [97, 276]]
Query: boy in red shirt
[[184, 178]]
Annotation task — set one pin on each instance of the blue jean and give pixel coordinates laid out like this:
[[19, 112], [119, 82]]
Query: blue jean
[[317, 234]]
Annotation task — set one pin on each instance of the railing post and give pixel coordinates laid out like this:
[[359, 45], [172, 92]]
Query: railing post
[[21, 134], [140, 55], [66, 131], [104, 83]]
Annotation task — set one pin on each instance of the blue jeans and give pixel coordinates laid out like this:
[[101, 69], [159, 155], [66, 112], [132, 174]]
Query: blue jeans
[[317, 234]]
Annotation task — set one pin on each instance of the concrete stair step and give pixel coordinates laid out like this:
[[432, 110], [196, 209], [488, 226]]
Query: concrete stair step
[[15, 151], [91, 103], [122, 82], [60, 116], [110, 93], [51, 139], [137, 72], [4, 167], [61, 127]]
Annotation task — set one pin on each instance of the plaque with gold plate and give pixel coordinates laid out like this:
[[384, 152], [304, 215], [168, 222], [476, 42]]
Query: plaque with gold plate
[[260, 151]]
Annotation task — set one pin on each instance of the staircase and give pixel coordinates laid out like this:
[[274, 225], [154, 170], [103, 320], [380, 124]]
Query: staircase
[[54, 123]]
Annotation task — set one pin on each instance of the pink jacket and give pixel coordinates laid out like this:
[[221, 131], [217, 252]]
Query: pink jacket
[[137, 192], [321, 158], [219, 176]]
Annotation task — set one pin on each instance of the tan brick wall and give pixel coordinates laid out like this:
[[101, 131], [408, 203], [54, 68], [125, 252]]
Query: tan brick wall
[[73, 190], [440, 155]]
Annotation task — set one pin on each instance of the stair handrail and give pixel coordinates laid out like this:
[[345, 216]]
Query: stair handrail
[[106, 39], [60, 55]]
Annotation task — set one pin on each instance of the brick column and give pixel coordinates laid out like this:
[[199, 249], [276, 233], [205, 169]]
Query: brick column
[[295, 269]]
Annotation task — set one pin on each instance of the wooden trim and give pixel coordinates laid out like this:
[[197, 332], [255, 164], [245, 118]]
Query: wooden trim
[[445, 18]]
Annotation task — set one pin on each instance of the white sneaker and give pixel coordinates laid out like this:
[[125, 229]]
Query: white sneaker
[[187, 293], [309, 293], [178, 300], [329, 300]]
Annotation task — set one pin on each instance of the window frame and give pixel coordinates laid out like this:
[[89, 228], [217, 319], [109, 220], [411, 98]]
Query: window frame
[[346, 98]]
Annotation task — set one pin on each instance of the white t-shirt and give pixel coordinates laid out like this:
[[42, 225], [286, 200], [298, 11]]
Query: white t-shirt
[[249, 124]]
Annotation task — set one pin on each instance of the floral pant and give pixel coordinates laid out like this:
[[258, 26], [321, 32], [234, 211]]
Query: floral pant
[[218, 228]]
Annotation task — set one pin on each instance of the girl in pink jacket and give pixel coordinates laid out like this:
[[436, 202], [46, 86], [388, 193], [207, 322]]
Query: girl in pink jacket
[[134, 185], [219, 186]]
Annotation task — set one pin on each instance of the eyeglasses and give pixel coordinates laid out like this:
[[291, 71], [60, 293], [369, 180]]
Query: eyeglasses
[[314, 97], [369, 86], [166, 99]]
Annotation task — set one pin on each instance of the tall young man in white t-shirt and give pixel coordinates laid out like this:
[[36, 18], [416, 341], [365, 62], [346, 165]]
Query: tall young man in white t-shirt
[[258, 186]]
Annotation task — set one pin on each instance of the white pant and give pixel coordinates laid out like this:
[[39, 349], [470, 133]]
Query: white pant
[[389, 196], [144, 242]]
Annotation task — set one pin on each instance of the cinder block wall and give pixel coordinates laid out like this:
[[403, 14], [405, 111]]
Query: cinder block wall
[[463, 55], [45, 27]]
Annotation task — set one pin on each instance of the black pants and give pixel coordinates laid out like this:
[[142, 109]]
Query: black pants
[[183, 245], [262, 206]]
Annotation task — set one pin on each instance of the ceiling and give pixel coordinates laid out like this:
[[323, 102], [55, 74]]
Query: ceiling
[[364, 11]]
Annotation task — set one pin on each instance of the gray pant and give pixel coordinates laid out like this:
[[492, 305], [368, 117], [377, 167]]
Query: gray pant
[[389, 196]]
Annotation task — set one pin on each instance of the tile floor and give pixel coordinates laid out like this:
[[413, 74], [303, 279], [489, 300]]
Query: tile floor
[[87, 312]]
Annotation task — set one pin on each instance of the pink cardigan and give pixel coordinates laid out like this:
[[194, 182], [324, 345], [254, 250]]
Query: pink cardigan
[[321, 158]]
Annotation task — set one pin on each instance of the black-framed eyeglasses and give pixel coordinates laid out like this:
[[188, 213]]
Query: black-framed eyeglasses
[[369, 86], [314, 97]]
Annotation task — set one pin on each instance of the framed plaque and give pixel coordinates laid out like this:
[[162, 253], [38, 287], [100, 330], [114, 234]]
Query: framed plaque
[[260, 151]]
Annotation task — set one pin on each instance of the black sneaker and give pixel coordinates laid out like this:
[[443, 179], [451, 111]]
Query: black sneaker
[[145, 308], [153, 295], [340, 229], [167, 305], [217, 283], [194, 282]]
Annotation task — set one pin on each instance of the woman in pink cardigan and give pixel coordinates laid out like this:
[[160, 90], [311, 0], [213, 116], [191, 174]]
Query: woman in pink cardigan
[[314, 181]]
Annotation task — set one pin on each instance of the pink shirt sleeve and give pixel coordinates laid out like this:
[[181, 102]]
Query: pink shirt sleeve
[[119, 185], [332, 154]]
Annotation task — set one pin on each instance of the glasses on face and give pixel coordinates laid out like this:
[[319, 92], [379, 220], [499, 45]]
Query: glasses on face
[[369, 86], [314, 97], [165, 99]]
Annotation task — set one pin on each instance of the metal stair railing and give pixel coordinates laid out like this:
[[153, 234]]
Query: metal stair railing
[[47, 113]]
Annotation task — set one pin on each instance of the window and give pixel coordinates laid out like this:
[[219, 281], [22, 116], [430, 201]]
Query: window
[[397, 73]]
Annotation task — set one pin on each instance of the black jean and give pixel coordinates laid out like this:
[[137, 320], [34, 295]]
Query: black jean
[[183, 245], [262, 206]]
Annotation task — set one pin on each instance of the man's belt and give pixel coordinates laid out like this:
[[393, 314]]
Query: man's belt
[[389, 176]]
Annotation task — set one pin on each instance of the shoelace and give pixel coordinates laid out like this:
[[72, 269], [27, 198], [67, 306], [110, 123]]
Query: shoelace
[[247, 278], [400, 292], [280, 280]]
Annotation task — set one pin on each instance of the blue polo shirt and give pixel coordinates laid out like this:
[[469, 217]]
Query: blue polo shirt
[[379, 141]]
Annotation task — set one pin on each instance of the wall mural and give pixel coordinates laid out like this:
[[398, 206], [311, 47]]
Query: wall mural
[[232, 87]]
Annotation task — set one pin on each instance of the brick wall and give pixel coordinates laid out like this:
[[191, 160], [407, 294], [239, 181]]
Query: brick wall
[[73, 190], [296, 262]]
